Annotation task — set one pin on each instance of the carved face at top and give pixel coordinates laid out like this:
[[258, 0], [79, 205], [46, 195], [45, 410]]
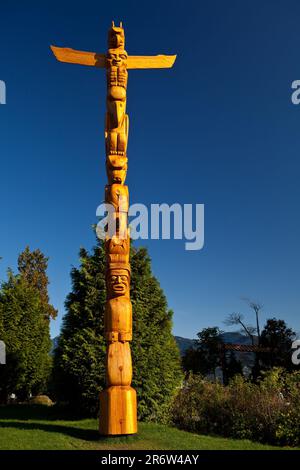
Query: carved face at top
[[116, 38], [118, 281], [117, 58]]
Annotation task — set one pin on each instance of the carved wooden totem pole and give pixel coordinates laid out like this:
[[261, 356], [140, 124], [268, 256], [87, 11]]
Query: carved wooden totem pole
[[118, 405]]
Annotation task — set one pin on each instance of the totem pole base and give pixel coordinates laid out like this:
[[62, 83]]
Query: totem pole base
[[118, 411]]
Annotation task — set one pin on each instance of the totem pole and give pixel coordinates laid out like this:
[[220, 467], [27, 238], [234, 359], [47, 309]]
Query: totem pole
[[118, 404]]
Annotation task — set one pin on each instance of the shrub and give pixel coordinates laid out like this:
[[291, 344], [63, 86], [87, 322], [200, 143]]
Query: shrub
[[266, 411]]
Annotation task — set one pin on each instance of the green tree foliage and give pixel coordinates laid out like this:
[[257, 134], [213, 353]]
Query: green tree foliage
[[156, 358], [33, 267], [191, 361], [25, 331], [79, 358], [209, 348], [80, 355], [279, 338], [207, 355]]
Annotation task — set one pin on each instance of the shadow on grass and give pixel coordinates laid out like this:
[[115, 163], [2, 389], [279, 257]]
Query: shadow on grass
[[39, 412], [78, 433]]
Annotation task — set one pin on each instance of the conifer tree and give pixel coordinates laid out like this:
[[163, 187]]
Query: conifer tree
[[33, 266], [80, 355], [24, 327], [79, 358], [277, 336], [25, 332]]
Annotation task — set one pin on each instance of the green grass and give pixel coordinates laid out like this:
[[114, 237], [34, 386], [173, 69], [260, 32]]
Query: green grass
[[39, 428]]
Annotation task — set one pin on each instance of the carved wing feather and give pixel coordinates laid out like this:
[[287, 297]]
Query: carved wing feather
[[66, 54], [150, 62]]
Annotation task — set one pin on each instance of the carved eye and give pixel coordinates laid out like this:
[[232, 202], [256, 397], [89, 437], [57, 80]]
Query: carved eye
[[113, 278], [123, 278], [123, 56]]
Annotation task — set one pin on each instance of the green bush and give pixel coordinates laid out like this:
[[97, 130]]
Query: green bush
[[267, 411]]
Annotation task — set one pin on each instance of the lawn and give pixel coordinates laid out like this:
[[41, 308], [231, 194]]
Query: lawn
[[39, 428]]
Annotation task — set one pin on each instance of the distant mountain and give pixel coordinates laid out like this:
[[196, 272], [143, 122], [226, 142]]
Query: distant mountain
[[236, 337], [185, 343]]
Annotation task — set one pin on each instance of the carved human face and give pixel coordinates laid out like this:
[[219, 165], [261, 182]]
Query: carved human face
[[118, 281], [117, 58]]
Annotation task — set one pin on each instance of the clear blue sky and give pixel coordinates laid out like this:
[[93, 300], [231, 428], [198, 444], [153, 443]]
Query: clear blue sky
[[219, 129]]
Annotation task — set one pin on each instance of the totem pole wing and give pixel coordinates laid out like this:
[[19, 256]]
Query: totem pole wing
[[150, 62], [65, 54]]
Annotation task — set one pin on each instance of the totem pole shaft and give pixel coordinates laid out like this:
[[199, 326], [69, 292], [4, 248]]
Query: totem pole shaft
[[118, 404]]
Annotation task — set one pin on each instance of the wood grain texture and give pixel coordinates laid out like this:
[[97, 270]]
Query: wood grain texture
[[119, 368], [118, 411]]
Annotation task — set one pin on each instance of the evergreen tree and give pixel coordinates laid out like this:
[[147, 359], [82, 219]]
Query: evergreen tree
[[206, 356], [80, 355], [156, 358], [33, 267], [79, 359], [279, 338], [25, 331], [209, 341], [191, 361]]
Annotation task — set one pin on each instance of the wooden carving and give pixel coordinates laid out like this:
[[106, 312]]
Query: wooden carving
[[118, 404]]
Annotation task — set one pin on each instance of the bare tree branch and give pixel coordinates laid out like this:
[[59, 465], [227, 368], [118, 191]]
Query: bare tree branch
[[256, 307], [237, 318]]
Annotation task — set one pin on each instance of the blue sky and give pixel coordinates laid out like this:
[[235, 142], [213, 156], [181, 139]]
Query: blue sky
[[219, 128]]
